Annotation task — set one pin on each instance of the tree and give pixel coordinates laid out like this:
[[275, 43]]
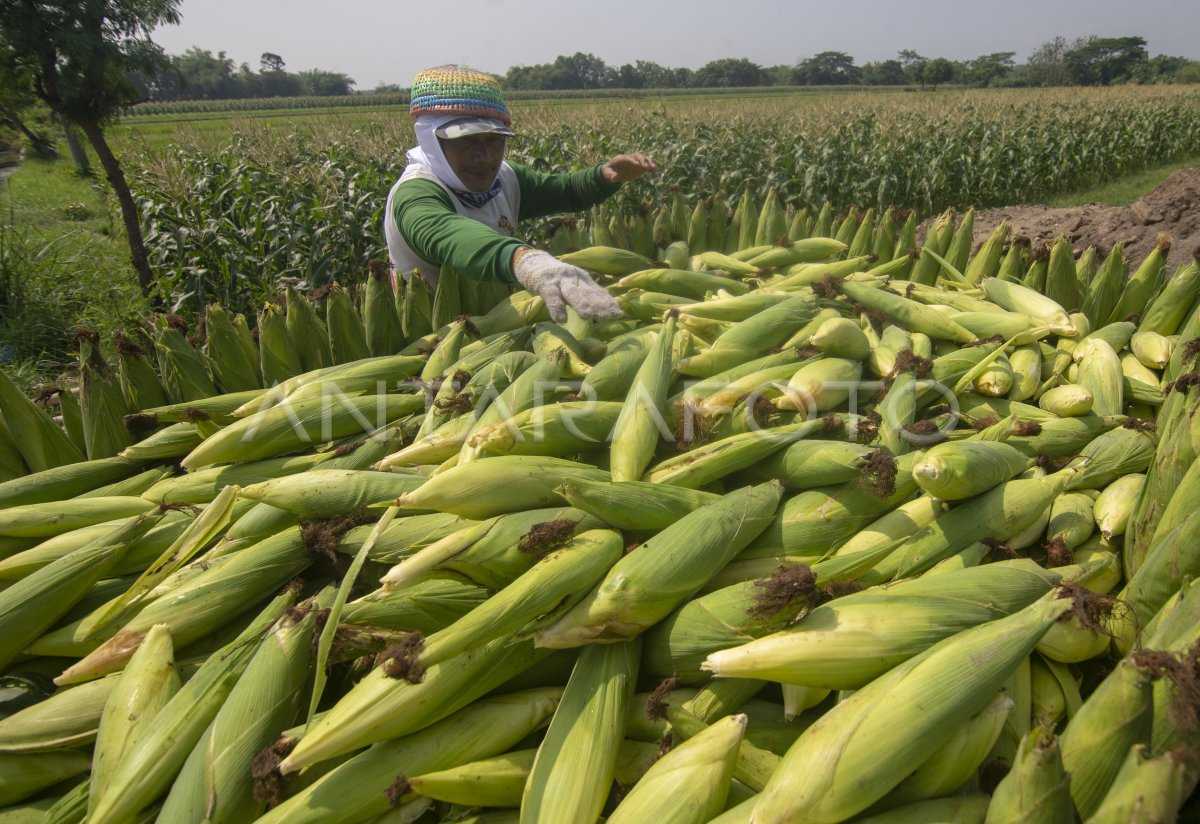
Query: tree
[[582, 71], [270, 62], [628, 77], [321, 83], [937, 71], [884, 73], [780, 75], [81, 56], [1047, 64], [1102, 61], [913, 65], [16, 99], [989, 68], [730, 71], [829, 68]]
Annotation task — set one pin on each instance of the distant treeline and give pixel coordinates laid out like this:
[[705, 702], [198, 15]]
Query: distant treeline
[[198, 74]]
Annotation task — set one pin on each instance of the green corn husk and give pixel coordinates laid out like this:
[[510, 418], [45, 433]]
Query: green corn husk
[[66, 720], [985, 263], [67, 481], [681, 283], [1047, 699], [1100, 373], [816, 521], [35, 603], [958, 250], [1117, 452], [1071, 521], [847, 642], [205, 603], [214, 784], [820, 385], [383, 334], [101, 404], [427, 606], [901, 522], [552, 430], [185, 371], [328, 493], [968, 808], [217, 409], [718, 459], [1142, 284], [689, 785], [202, 486], [611, 378], [1036, 789], [380, 707], [1069, 400], [812, 463], [356, 790], [1148, 787], [491, 486], [1094, 744], [235, 367], [24, 776], [42, 443], [347, 337], [447, 298], [767, 383], [1000, 514], [841, 338], [132, 486], [751, 338], [958, 760], [1026, 365], [70, 808], [697, 236], [1114, 506], [608, 260], [1171, 558], [550, 588], [639, 426], [1060, 437], [12, 465], [584, 738], [646, 585], [963, 469], [1169, 308], [278, 360], [1022, 299], [307, 332], [1062, 282], [1151, 349], [866, 745], [636, 505], [490, 782], [142, 690], [146, 771], [139, 382], [416, 308], [910, 314]]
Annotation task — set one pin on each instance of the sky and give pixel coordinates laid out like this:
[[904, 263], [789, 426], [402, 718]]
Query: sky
[[388, 41]]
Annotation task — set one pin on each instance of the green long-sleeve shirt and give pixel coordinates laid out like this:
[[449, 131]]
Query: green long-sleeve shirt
[[436, 232]]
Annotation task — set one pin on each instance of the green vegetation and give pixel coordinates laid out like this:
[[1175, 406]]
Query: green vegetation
[[1124, 190]]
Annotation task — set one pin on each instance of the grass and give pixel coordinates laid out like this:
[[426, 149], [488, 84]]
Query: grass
[[64, 264], [1123, 190]]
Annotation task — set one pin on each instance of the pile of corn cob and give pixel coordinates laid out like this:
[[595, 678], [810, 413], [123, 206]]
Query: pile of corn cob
[[833, 526]]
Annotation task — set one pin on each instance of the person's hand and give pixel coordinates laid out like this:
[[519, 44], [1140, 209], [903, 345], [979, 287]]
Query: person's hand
[[626, 167], [561, 285]]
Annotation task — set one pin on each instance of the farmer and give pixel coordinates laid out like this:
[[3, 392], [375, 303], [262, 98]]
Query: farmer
[[458, 201]]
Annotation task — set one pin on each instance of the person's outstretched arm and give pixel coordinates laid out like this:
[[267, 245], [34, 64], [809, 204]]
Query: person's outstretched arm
[[548, 193]]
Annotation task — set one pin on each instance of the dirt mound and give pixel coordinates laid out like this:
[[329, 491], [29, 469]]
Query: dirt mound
[[1173, 208]]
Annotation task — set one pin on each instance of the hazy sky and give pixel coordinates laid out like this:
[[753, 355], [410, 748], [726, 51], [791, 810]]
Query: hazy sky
[[387, 41]]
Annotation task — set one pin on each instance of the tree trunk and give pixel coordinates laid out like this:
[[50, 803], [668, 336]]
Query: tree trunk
[[129, 212], [38, 143], [83, 166]]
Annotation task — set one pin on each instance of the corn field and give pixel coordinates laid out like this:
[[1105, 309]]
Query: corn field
[[227, 216], [835, 524]]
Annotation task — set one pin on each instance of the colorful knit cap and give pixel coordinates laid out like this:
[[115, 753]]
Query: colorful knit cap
[[458, 90]]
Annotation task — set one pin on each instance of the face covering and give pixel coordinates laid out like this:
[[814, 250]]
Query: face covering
[[428, 151]]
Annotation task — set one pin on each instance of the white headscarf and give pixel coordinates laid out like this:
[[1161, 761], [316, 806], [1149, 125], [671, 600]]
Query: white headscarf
[[428, 151]]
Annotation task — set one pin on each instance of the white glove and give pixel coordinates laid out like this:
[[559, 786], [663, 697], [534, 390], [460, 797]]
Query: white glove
[[561, 284]]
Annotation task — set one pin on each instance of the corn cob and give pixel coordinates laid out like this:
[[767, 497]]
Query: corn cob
[[751, 338], [65, 481], [1114, 506], [139, 382], [1100, 373], [858, 728], [1142, 284], [202, 486], [847, 642], [1036, 788], [1062, 282], [277, 358], [347, 337], [1096, 741], [908, 313], [185, 371], [958, 760], [101, 402], [1068, 400], [639, 427], [1167, 311], [1047, 698], [307, 332], [1148, 787], [821, 385], [650, 582], [812, 463], [192, 610], [1018, 298], [634, 505], [235, 367], [146, 770], [955, 471], [142, 690], [583, 738], [381, 324], [214, 783], [42, 444]]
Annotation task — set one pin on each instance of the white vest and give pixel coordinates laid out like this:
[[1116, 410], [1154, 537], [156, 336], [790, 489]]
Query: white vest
[[500, 213]]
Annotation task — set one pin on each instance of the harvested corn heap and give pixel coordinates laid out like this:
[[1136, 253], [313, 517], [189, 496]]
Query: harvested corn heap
[[833, 526]]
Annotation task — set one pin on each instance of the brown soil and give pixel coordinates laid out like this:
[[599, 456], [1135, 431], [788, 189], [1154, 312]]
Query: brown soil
[[1173, 208]]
